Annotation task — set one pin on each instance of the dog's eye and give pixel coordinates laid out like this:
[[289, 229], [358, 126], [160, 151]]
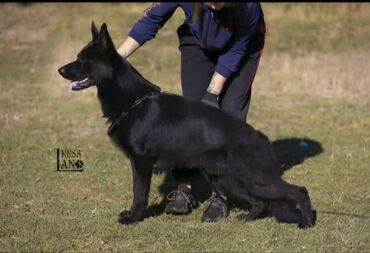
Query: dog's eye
[[83, 61], [80, 58]]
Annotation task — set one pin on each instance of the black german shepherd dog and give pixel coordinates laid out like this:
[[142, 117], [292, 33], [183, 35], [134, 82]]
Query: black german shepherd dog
[[155, 128]]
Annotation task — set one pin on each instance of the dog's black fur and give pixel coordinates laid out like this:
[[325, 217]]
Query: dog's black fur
[[169, 131]]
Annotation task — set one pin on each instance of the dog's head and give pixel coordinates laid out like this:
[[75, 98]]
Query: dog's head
[[94, 62]]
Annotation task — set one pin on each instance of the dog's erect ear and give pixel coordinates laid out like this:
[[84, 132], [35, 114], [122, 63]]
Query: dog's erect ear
[[94, 31], [105, 39]]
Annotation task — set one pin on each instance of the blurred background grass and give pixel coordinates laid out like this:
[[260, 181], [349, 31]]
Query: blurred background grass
[[313, 83]]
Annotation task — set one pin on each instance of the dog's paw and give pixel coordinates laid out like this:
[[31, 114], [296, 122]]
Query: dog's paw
[[124, 213], [311, 221], [304, 225], [245, 217], [125, 218]]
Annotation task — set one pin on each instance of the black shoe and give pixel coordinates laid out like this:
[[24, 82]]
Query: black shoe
[[181, 201], [217, 209]]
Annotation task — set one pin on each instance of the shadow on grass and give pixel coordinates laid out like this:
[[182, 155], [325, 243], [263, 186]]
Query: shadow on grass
[[294, 151], [290, 152]]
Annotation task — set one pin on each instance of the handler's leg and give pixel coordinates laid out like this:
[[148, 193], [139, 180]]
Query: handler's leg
[[197, 65], [197, 68], [236, 95]]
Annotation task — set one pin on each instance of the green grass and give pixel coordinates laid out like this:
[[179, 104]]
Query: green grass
[[312, 83]]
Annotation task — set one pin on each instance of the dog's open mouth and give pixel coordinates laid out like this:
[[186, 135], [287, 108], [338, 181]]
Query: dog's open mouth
[[82, 84]]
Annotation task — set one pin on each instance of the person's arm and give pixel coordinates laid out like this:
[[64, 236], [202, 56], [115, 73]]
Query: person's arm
[[214, 89], [128, 47], [229, 61], [217, 83], [147, 27]]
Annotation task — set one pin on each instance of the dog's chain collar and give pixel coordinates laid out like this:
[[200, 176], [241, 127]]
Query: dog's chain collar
[[124, 114]]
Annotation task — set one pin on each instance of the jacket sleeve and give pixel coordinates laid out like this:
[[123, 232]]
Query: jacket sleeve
[[230, 59], [154, 18]]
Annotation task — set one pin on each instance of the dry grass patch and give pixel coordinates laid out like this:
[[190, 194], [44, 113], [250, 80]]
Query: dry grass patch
[[327, 75]]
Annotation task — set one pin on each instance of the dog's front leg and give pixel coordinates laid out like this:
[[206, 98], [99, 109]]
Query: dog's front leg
[[142, 173]]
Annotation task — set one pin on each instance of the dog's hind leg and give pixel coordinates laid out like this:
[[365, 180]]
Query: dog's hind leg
[[240, 196], [142, 168], [221, 186], [283, 190], [258, 207]]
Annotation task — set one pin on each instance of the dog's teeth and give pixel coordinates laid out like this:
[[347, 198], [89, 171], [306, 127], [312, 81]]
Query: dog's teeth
[[81, 81], [77, 84]]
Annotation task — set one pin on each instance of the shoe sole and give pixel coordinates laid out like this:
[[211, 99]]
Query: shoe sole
[[176, 211]]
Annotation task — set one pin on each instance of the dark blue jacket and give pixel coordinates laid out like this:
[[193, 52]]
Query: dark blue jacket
[[234, 34]]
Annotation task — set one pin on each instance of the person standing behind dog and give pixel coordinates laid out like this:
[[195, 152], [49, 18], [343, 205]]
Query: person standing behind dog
[[221, 45]]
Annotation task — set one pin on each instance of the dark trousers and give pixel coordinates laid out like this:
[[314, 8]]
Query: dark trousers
[[197, 68]]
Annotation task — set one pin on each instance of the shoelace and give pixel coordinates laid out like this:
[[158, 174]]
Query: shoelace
[[215, 198], [172, 196]]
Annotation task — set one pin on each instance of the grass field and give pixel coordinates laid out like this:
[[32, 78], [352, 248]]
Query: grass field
[[313, 83]]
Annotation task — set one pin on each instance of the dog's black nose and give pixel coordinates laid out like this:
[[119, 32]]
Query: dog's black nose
[[61, 71]]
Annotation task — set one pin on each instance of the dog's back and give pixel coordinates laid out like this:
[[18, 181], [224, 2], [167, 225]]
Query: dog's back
[[187, 133]]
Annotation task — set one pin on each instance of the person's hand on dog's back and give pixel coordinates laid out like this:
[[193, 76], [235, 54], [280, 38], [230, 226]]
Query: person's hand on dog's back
[[214, 89], [211, 99]]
